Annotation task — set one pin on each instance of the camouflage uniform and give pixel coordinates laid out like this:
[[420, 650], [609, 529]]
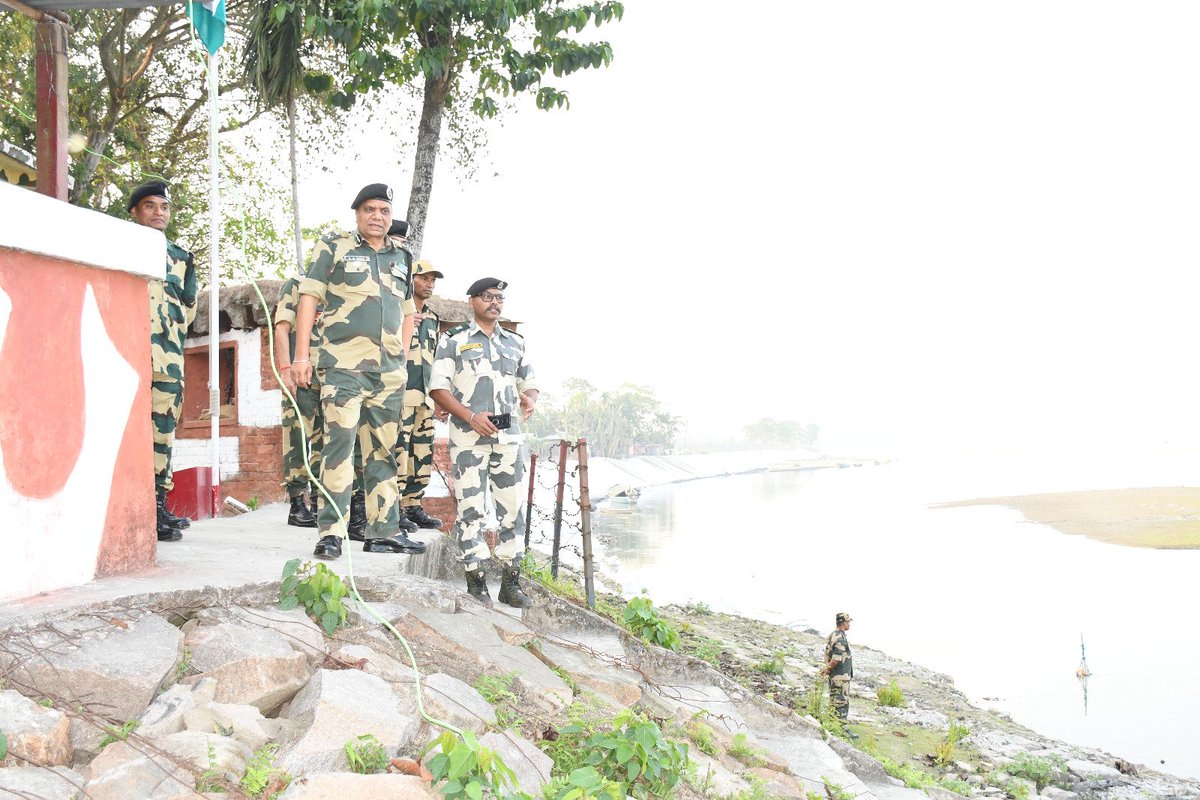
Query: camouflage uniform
[[172, 309], [308, 398], [414, 453], [488, 374], [360, 365], [837, 649]]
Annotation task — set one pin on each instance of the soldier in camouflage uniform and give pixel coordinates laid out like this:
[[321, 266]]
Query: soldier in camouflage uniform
[[481, 376], [839, 666], [172, 309], [308, 399], [362, 279], [414, 454]]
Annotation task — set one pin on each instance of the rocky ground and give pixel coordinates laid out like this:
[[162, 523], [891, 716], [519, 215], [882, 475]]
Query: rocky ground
[[217, 692]]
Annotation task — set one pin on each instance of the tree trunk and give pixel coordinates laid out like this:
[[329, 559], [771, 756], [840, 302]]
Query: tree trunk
[[429, 134], [295, 184]]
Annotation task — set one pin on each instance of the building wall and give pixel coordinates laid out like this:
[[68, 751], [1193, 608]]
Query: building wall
[[76, 469]]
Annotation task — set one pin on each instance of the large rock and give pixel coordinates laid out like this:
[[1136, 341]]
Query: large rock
[[36, 734], [242, 722], [593, 668], [300, 632], [54, 783], [208, 752], [256, 666], [339, 705], [166, 714], [111, 667], [374, 662], [350, 786], [449, 699], [810, 759], [531, 765], [122, 771]]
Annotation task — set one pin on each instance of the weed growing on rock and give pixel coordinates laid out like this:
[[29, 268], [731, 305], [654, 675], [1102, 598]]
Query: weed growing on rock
[[46, 702], [465, 769], [635, 753], [816, 706], [118, 734], [757, 790], [3, 745], [184, 664], [261, 776], [319, 590], [944, 752], [1042, 770], [772, 666], [956, 786], [834, 791], [742, 750], [890, 695], [210, 780], [562, 587], [913, 778], [585, 783], [643, 620], [497, 690], [366, 755], [703, 737]]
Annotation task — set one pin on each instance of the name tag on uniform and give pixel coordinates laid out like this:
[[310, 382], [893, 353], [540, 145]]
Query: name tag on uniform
[[462, 348], [364, 259], [399, 270]]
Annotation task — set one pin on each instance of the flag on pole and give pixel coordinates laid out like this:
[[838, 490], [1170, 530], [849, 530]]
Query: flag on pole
[[208, 18]]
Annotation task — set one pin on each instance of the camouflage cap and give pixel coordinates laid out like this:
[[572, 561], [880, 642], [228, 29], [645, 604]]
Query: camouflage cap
[[152, 189], [399, 228], [425, 267], [843, 616], [483, 284], [372, 191]]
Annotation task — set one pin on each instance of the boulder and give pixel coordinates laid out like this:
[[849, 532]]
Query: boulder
[[242, 722], [209, 752], [597, 672], [449, 699], [123, 771], [53, 783], [351, 786], [300, 632], [36, 734], [166, 714], [531, 765], [256, 666]]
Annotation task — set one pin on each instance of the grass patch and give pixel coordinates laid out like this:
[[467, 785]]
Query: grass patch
[[498, 690], [890, 695]]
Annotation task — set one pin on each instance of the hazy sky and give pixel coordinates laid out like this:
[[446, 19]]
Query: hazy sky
[[920, 222]]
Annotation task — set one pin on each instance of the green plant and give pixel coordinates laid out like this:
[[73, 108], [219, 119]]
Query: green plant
[[641, 619], [958, 732], [497, 690], [956, 786], [3, 745], [635, 753], [757, 790], [700, 609], [705, 649], [46, 702], [834, 791], [118, 734], [465, 769], [912, 778], [318, 589], [890, 695], [585, 783], [772, 666], [703, 737], [1016, 789], [561, 586], [1042, 770], [816, 706], [366, 755], [210, 780], [261, 774], [744, 752], [184, 664], [943, 752]]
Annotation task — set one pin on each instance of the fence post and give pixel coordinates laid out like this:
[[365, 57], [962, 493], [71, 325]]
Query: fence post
[[585, 519], [529, 502], [558, 505]]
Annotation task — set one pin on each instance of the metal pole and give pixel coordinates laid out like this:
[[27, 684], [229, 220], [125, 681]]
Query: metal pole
[[558, 505], [214, 312], [585, 518], [529, 501]]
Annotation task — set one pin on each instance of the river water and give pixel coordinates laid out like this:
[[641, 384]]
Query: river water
[[996, 602]]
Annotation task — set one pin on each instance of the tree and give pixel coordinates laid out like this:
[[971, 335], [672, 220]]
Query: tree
[[768, 432], [615, 423], [456, 50]]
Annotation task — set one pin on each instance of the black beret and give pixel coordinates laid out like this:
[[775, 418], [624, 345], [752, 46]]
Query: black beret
[[483, 284], [373, 191], [399, 228], [152, 189]]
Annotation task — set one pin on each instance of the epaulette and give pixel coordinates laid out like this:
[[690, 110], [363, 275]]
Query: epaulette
[[457, 329], [333, 236], [512, 333], [186, 253]]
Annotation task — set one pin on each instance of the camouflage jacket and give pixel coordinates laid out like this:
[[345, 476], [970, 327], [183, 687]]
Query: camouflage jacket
[[366, 295], [424, 340], [172, 309], [285, 311], [837, 649], [484, 373]]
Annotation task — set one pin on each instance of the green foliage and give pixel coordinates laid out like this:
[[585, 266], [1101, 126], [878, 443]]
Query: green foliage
[[465, 769], [757, 790], [366, 755], [913, 778], [184, 664], [118, 734], [943, 752], [743, 751], [816, 706], [261, 774], [699, 609], [635, 753], [3, 745], [615, 423], [1042, 770], [318, 589], [772, 666], [253, 503], [1016, 789], [834, 791], [703, 737], [958, 732], [46, 702], [585, 783], [497, 690], [643, 620], [957, 786], [210, 780], [769, 432], [561, 586], [704, 648], [890, 695]]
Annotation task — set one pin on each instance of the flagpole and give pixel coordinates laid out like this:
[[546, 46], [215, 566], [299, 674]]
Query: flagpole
[[214, 314]]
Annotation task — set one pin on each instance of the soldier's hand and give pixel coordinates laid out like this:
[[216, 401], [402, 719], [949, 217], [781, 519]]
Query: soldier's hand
[[527, 404], [441, 414], [418, 318], [482, 424], [302, 373], [285, 377]]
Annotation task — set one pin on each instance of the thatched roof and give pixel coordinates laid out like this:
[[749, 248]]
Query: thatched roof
[[241, 309]]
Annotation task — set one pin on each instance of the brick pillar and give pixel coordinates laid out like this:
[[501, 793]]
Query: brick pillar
[[51, 91]]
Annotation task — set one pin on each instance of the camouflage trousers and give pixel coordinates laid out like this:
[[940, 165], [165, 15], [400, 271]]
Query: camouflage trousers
[[363, 406], [414, 454], [501, 468], [295, 479], [839, 699], [166, 403]]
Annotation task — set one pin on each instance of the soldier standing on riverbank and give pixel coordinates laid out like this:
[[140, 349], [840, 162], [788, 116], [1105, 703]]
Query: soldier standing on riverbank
[[839, 666]]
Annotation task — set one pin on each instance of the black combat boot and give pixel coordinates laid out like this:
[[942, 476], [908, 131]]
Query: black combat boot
[[313, 491], [328, 548], [164, 513], [510, 589], [300, 514], [356, 525], [165, 530], [404, 523], [477, 586], [422, 520]]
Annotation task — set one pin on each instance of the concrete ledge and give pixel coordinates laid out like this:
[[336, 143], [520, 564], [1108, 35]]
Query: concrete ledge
[[79, 234]]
